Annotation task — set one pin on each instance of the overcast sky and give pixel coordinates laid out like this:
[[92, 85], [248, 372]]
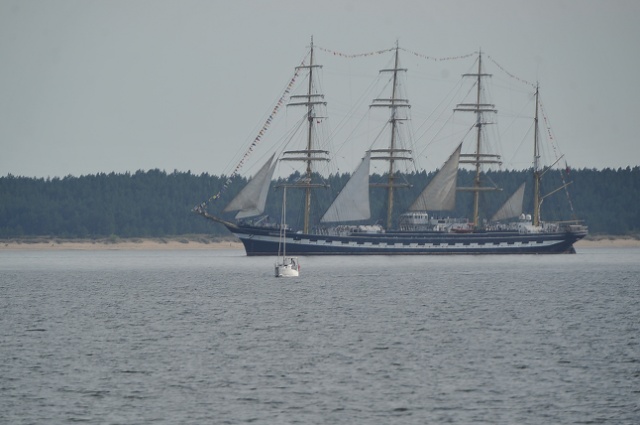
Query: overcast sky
[[100, 86]]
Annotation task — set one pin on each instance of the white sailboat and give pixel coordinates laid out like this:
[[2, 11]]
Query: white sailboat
[[285, 266]]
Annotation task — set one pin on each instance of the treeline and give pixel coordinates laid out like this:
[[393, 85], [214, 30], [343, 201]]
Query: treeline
[[156, 204]]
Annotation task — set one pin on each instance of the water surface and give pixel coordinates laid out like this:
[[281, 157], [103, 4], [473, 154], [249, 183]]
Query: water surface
[[192, 337]]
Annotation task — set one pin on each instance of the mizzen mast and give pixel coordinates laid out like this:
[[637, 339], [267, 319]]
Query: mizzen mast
[[536, 167]]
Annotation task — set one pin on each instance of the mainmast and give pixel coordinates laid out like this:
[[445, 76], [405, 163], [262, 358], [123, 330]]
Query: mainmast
[[478, 158], [311, 100], [392, 154]]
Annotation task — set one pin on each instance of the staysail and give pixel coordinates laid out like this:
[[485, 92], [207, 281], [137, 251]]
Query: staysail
[[511, 208], [251, 200], [440, 193], [352, 203]]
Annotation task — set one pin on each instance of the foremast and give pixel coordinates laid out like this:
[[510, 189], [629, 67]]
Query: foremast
[[478, 158], [393, 153], [311, 100]]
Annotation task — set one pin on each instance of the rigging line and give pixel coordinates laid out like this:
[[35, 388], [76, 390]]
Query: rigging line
[[555, 151], [448, 58], [524, 137], [451, 118], [379, 136], [524, 140], [374, 83], [283, 141], [335, 131], [435, 137], [451, 95], [268, 118], [257, 139], [448, 99], [510, 74], [548, 128], [345, 119], [349, 136], [488, 178], [287, 138]]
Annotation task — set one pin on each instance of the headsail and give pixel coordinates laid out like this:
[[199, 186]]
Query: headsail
[[440, 193], [251, 200], [513, 206], [352, 203]]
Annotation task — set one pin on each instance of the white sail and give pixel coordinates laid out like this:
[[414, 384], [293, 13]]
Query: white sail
[[252, 198], [511, 208], [352, 203], [440, 193]]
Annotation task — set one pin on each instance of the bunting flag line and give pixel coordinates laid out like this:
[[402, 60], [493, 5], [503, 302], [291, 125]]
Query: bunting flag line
[[510, 74], [357, 55], [257, 139], [447, 58], [547, 126], [379, 52]]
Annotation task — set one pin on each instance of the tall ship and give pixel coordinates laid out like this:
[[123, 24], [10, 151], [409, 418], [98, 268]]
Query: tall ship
[[425, 227]]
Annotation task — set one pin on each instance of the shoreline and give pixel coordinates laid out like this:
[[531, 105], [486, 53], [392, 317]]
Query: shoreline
[[209, 243], [173, 243]]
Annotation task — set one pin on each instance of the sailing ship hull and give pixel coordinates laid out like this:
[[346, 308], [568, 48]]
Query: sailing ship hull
[[259, 241], [352, 204]]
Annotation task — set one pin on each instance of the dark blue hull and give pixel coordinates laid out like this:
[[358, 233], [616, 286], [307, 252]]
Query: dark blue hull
[[265, 241]]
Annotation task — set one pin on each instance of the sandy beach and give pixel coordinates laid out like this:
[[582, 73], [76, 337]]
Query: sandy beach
[[608, 242], [210, 243]]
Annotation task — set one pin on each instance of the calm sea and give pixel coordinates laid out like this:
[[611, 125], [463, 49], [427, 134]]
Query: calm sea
[[197, 337]]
